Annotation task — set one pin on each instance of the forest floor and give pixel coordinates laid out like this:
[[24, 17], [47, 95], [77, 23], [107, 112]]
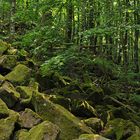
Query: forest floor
[[72, 96]]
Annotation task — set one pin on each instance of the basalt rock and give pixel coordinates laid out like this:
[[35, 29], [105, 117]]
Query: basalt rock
[[25, 94], [2, 79], [28, 119], [8, 94], [3, 47], [120, 129], [43, 131], [71, 127], [95, 123], [91, 137], [20, 75], [4, 112], [8, 61], [7, 126]]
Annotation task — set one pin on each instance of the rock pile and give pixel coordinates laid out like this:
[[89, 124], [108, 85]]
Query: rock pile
[[27, 114]]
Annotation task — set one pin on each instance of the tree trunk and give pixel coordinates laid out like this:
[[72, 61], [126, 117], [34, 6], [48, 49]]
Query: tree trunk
[[83, 22], [13, 10], [136, 36], [91, 20], [125, 45], [69, 21]]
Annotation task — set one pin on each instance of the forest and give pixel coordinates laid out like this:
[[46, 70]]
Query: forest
[[69, 69]]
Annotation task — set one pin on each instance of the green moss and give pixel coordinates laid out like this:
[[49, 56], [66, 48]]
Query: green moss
[[21, 135], [2, 79], [71, 127], [25, 94], [7, 126], [45, 130], [4, 112], [8, 61], [19, 75], [119, 129], [12, 51], [8, 94], [91, 137], [58, 99], [134, 137], [3, 47], [95, 123]]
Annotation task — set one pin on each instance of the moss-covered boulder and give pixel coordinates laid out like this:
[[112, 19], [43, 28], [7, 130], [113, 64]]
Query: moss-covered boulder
[[44, 131], [134, 137], [8, 94], [95, 123], [120, 129], [91, 137], [2, 79], [20, 75], [3, 47], [71, 127], [12, 51], [83, 108], [61, 100], [28, 118], [25, 94], [52, 80], [21, 135], [4, 112], [78, 107], [8, 61], [7, 126]]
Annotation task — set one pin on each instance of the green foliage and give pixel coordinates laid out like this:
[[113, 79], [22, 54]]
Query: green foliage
[[82, 107], [99, 31], [74, 63], [53, 64], [130, 78], [41, 40], [29, 38], [106, 67], [92, 23], [65, 61], [135, 99]]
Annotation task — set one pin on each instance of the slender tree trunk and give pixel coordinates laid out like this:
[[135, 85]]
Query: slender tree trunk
[[73, 25], [83, 22], [119, 34], [13, 10], [3, 14], [78, 25], [91, 20], [69, 21], [125, 44], [136, 36]]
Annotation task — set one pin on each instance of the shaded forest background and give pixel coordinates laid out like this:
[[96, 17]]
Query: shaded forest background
[[108, 28]]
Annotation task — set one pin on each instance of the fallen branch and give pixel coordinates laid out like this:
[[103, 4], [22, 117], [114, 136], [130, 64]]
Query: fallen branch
[[122, 104]]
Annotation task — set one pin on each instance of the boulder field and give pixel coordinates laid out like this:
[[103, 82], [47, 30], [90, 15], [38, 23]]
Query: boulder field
[[26, 113]]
